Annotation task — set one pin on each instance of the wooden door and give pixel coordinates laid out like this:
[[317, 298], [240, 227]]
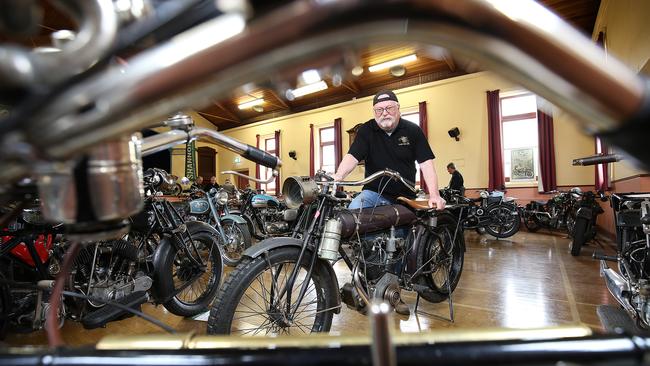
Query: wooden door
[[243, 182], [207, 157]]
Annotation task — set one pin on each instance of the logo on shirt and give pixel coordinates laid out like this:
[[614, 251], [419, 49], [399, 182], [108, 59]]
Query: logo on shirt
[[403, 141]]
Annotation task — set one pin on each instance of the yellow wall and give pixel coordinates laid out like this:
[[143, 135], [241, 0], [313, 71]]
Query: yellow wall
[[625, 23], [459, 102]]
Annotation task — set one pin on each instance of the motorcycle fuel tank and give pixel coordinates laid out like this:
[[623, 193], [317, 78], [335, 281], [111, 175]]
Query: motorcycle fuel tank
[[264, 201], [199, 206]]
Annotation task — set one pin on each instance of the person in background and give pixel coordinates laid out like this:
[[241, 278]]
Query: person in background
[[456, 182], [212, 184], [198, 183]]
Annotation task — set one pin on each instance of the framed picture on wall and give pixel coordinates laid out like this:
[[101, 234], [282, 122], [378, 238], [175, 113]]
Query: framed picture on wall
[[352, 134], [522, 165]]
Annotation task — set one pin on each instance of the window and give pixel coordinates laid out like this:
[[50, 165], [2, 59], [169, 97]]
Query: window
[[269, 147], [415, 118], [326, 152], [520, 142]]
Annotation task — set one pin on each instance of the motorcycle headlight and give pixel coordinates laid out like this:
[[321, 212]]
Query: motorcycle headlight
[[484, 194], [222, 197]]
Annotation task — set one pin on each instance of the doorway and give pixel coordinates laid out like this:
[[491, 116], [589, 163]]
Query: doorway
[[206, 157]]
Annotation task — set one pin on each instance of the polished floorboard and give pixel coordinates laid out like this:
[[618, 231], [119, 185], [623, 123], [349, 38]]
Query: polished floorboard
[[527, 281]]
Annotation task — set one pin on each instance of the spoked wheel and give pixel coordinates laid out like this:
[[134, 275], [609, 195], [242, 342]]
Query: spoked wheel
[[254, 300], [238, 239], [441, 255], [504, 224], [195, 286]]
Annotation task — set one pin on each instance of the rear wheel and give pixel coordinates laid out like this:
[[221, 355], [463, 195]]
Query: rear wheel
[[195, 287], [441, 253], [503, 222], [253, 300]]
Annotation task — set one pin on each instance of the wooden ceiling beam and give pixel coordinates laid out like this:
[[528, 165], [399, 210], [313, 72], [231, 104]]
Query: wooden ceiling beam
[[232, 116], [450, 62], [219, 117], [282, 102], [352, 86]]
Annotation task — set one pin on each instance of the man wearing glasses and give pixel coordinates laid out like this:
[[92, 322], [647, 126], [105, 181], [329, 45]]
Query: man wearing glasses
[[388, 141]]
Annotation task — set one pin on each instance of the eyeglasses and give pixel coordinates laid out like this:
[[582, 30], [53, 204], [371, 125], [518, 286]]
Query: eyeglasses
[[390, 109]]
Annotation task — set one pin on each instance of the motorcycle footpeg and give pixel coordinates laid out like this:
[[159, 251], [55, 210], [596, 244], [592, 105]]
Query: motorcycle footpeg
[[108, 313], [603, 257]]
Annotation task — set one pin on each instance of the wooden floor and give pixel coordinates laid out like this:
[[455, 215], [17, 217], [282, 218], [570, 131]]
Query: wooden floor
[[529, 280]]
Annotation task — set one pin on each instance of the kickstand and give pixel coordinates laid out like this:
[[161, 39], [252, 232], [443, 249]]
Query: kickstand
[[449, 301]]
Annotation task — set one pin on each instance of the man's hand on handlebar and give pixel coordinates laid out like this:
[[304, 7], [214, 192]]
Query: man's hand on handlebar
[[437, 202]]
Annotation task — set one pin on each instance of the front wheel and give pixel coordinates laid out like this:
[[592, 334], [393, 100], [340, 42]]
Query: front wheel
[[503, 223], [440, 257], [580, 228], [194, 287], [238, 239], [254, 301]]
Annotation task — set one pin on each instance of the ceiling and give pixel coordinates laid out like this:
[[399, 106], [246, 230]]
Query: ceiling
[[431, 65], [225, 114]]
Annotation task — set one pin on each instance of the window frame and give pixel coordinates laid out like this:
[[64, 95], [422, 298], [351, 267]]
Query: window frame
[[266, 172], [513, 118], [407, 112], [322, 144]]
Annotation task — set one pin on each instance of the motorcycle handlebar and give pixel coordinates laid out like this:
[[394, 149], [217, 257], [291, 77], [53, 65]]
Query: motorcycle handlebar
[[597, 159]]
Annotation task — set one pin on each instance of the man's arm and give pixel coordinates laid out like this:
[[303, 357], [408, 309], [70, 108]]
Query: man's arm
[[431, 178], [348, 163]]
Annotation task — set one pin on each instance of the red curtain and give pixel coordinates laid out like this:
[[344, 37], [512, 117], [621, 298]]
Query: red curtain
[[495, 151], [424, 125], [278, 189], [311, 150], [602, 173], [546, 151], [257, 166], [338, 144]]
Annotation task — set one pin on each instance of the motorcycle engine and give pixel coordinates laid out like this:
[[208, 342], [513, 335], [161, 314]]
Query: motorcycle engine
[[380, 253], [115, 274]]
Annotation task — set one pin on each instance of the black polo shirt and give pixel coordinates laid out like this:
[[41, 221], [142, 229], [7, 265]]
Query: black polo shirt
[[399, 151]]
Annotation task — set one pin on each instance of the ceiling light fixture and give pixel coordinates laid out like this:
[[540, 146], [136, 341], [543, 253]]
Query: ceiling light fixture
[[308, 89], [310, 76], [251, 104], [397, 61]]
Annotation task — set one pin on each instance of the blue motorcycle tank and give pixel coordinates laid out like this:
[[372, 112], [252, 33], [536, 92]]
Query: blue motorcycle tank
[[264, 201], [199, 206]]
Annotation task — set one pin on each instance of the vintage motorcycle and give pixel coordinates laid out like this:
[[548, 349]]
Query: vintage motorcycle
[[266, 215], [288, 285], [606, 98], [551, 214], [161, 259], [584, 216], [490, 213], [232, 229], [631, 284]]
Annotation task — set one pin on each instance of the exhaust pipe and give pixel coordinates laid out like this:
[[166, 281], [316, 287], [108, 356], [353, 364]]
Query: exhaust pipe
[[617, 286]]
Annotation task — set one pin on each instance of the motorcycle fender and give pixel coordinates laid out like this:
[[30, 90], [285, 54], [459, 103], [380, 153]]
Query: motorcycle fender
[[584, 212], [236, 218], [270, 244], [164, 249]]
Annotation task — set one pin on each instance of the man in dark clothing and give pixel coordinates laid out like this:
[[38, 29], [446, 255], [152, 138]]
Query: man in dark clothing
[[388, 141], [456, 182], [212, 184]]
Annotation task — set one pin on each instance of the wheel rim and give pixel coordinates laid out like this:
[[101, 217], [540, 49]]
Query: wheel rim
[[260, 313], [442, 265], [184, 270], [505, 221], [234, 246]]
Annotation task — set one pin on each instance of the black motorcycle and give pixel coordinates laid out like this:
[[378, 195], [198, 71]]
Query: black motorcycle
[[630, 285], [185, 256], [490, 213], [551, 214], [288, 285], [585, 215]]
